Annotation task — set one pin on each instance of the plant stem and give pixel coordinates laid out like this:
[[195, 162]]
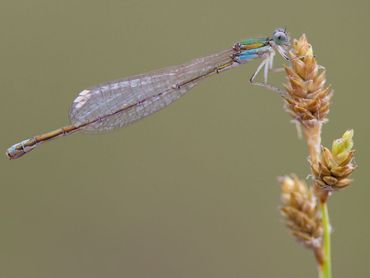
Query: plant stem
[[312, 134], [325, 269], [313, 138]]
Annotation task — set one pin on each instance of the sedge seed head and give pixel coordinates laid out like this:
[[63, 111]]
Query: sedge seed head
[[308, 96], [300, 210], [336, 165]]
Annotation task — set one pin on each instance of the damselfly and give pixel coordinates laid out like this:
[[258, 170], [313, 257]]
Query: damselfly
[[118, 103]]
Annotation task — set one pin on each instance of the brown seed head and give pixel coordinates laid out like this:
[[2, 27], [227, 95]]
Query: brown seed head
[[300, 209], [308, 97], [336, 165]]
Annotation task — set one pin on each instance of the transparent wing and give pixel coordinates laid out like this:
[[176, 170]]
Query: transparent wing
[[121, 102]]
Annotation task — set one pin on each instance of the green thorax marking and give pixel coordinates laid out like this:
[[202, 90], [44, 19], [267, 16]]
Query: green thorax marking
[[254, 41]]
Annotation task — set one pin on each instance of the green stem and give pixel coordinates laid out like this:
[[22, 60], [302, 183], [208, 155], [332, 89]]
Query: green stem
[[325, 269]]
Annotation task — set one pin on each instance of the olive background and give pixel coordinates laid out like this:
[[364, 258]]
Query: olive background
[[192, 190]]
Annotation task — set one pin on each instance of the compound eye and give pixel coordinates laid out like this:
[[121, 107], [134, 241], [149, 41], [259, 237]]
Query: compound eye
[[280, 38]]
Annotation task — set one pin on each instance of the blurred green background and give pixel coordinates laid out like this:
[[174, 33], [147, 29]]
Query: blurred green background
[[190, 191]]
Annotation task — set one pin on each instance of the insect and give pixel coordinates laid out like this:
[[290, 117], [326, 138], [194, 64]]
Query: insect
[[118, 103]]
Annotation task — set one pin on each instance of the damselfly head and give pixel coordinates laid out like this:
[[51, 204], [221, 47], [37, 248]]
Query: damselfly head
[[280, 42], [280, 37]]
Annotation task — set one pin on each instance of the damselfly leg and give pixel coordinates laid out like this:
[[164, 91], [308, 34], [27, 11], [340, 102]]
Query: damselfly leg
[[267, 65]]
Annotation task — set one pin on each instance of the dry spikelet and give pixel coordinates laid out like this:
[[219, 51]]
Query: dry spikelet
[[336, 165], [308, 97], [301, 212]]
